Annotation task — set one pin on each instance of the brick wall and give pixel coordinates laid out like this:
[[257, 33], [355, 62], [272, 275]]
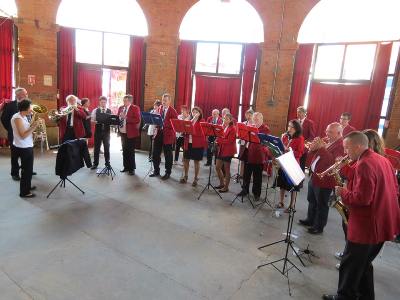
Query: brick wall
[[37, 42]]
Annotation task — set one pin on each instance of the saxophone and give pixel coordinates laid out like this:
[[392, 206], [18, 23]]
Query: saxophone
[[334, 171]]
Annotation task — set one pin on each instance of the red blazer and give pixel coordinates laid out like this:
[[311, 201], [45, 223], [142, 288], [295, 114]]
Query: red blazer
[[347, 130], [132, 121], [308, 130], [327, 158], [297, 145], [227, 143], [169, 135], [198, 138], [219, 120], [372, 199], [79, 130], [257, 153]]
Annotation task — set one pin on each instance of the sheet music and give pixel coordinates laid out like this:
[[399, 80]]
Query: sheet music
[[291, 167]]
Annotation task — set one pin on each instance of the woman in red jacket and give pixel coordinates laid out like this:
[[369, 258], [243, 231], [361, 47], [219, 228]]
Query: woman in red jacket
[[194, 145], [294, 140], [226, 150]]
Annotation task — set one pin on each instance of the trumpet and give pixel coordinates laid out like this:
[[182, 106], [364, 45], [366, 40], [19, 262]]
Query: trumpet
[[334, 171], [56, 115]]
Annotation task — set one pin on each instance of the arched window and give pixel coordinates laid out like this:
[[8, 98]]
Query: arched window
[[8, 8]]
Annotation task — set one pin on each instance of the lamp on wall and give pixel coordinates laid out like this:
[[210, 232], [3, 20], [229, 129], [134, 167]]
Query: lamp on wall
[[272, 101]]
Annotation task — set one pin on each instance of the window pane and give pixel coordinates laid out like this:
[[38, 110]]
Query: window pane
[[206, 57], [393, 57], [381, 126], [359, 62], [88, 46], [116, 50], [329, 62], [386, 98], [230, 57]]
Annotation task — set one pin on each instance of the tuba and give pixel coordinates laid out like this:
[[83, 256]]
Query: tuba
[[334, 171], [40, 132]]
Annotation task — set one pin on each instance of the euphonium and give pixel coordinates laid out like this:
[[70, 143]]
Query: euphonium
[[56, 115], [334, 171], [38, 109]]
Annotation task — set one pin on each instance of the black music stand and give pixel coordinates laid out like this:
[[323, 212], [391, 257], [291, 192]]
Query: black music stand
[[213, 130], [290, 167], [61, 183], [107, 170], [151, 119], [248, 134]]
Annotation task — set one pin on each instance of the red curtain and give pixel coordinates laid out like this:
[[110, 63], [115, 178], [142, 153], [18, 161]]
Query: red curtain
[[185, 74], [329, 101], [217, 92], [89, 86], [6, 46], [66, 61], [378, 85], [136, 70], [301, 74], [249, 70]]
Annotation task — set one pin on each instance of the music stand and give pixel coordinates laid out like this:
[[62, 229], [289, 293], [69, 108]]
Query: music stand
[[151, 119], [248, 134], [213, 130], [290, 166]]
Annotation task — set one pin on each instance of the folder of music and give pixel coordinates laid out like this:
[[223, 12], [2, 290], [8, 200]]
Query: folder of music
[[212, 129], [152, 119], [247, 133], [182, 126]]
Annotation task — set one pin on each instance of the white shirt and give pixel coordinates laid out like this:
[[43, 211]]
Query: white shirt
[[152, 128], [123, 128], [18, 140]]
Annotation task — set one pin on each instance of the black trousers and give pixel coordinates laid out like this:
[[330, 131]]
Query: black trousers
[[14, 156], [69, 134], [158, 147], [303, 159], [255, 170], [178, 145], [128, 152], [26, 156], [211, 140], [318, 206], [356, 273], [151, 146], [101, 136]]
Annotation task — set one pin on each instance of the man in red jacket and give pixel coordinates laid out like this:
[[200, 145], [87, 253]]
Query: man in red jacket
[[71, 125], [324, 151], [217, 120], [164, 138], [374, 217], [129, 115], [345, 122], [308, 127]]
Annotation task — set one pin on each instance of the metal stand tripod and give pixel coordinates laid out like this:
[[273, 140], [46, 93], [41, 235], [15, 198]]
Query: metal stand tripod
[[151, 168], [266, 200], [61, 183], [209, 184], [289, 243], [107, 170]]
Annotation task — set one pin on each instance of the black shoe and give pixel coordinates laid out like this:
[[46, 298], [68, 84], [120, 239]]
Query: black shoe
[[32, 188], [30, 195], [329, 297], [123, 170], [34, 173], [207, 164], [94, 167], [304, 222], [154, 174], [16, 177], [314, 231], [131, 173], [166, 176], [242, 193], [257, 199]]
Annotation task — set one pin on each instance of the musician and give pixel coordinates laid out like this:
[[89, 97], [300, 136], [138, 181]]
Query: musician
[[9, 110], [23, 145], [152, 128], [85, 103], [374, 217], [345, 122], [129, 115], [226, 150], [185, 115], [292, 139], [194, 145], [71, 125], [324, 152], [101, 132], [216, 120], [243, 144], [256, 158], [164, 138], [308, 129]]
